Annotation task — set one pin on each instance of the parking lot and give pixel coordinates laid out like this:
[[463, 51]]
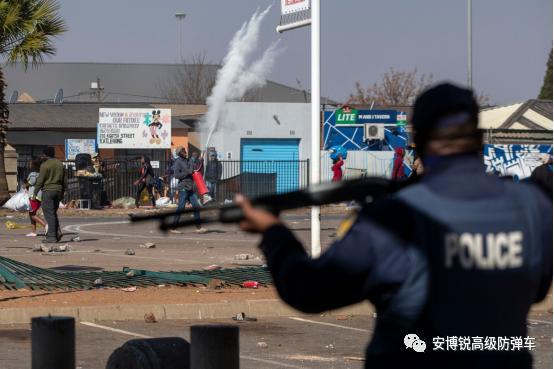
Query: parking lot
[[313, 342]]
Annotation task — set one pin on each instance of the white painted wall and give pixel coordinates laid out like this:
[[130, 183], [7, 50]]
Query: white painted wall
[[256, 120]]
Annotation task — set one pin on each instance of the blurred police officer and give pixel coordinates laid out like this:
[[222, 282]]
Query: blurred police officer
[[459, 254]]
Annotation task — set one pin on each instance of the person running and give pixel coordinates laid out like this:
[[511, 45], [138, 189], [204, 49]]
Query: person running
[[183, 169], [146, 180], [34, 203]]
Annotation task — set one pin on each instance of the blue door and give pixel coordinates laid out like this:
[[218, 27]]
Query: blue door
[[272, 156]]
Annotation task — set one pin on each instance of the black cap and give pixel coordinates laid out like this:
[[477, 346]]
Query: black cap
[[442, 105]]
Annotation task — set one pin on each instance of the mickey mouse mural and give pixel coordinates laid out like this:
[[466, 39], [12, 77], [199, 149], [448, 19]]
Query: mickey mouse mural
[[154, 126]]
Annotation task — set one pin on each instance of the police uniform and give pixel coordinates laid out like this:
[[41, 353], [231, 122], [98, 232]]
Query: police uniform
[[460, 253]]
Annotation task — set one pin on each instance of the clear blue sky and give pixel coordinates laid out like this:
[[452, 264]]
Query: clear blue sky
[[360, 39]]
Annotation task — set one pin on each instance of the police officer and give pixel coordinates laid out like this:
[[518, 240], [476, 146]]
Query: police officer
[[459, 254]]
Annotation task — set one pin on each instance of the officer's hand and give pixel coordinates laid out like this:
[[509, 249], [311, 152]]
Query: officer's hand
[[255, 220]]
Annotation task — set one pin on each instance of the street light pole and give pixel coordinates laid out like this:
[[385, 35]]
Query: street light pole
[[469, 46], [180, 17], [316, 125]]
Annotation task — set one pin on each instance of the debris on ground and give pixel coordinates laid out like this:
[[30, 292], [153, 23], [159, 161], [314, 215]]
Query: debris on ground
[[354, 358], [130, 273], [14, 225], [61, 248], [148, 245], [344, 317], [213, 267], [98, 282], [250, 284], [150, 318], [76, 239], [129, 252], [129, 289], [261, 344], [45, 248], [241, 317], [244, 257], [123, 203], [330, 346], [215, 284]]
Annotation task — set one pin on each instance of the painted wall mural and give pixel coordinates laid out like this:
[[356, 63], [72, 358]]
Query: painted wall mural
[[517, 161]]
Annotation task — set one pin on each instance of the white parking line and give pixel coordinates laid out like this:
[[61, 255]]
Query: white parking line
[[133, 334], [78, 228], [329, 324], [89, 324]]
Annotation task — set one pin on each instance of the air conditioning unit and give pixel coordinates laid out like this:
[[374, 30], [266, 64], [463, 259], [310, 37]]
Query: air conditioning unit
[[374, 132]]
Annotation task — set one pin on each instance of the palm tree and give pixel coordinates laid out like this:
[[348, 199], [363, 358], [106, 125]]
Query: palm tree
[[27, 29]]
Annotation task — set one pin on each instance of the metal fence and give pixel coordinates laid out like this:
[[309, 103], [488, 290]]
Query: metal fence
[[251, 178]]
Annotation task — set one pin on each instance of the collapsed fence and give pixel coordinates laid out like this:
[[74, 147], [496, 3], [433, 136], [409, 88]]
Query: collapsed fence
[[249, 177]]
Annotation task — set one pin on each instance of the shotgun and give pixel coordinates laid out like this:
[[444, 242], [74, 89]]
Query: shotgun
[[361, 190]]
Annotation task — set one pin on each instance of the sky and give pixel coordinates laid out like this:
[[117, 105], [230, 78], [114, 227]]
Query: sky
[[360, 40]]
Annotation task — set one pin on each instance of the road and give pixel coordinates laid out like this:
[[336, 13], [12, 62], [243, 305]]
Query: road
[[105, 240]]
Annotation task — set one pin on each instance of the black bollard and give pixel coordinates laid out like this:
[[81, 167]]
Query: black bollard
[[214, 347], [53, 342], [152, 353]]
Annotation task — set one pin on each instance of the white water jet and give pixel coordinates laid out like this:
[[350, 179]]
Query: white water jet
[[239, 73]]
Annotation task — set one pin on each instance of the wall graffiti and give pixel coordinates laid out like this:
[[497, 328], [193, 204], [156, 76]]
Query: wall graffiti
[[517, 161]]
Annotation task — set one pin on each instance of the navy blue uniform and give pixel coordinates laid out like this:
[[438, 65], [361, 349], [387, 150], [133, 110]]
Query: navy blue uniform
[[461, 253]]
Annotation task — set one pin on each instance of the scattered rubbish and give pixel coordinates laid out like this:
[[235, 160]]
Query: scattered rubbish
[[261, 345], [2, 279], [163, 202], [14, 225], [130, 273], [244, 257], [241, 317], [250, 284], [161, 285], [76, 239], [123, 203], [129, 252], [98, 282], [37, 248], [215, 284], [330, 346], [129, 289], [45, 248], [344, 317], [61, 248], [227, 201], [354, 358], [148, 245], [9, 216], [150, 318], [213, 267], [18, 202]]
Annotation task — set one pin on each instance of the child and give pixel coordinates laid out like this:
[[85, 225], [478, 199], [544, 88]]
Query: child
[[34, 204]]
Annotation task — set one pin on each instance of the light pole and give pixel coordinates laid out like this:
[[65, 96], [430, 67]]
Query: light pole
[[469, 46], [180, 17]]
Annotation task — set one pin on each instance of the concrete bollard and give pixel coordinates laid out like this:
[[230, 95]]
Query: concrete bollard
[[214, 347], [53, 342], [152, 353]]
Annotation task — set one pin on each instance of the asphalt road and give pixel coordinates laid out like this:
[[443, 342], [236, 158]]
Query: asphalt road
[[105, 240], [315, 342]]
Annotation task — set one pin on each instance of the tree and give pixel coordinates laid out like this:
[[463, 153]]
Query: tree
[[546, 90], [192, 83], [396, 88], [27, 29]]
